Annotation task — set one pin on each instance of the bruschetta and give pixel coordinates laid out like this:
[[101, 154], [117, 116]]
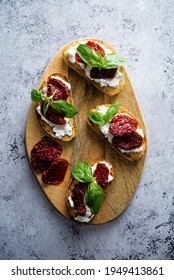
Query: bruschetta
[[98, 62], [120, 129], [54, 107], [86, 191]]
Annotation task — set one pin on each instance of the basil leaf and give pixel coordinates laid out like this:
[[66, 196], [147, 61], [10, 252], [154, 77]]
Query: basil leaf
[[45, 107], [94, 196], [113, 109], [83, 172], [37, 96], [95, 59], [96, 117], [64, 108], [113, 60], [89, 55]]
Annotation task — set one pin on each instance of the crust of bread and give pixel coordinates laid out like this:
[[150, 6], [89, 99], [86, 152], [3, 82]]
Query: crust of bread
[[106, 89], [74, 181], [46, 127], [129, 156]]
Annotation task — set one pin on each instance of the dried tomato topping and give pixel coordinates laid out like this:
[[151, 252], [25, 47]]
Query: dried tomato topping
[[60, 91], [77, 196], [96, 73], [78, 58], [122, 125], [96, 47], [101, 174], [93, 45], [44, 153], [53, 116], [58, 87], [55, 174], [128, 142]]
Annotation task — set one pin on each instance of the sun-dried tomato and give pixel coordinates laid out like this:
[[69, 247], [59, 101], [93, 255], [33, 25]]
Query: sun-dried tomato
[[78, 58], [96, 47], [44, 153], [58, 87], [93, 45], [60, 91], [97, 73], [128, 142], [53, 116], [77, 196], [55, 174], [122, 125], [101, 174]]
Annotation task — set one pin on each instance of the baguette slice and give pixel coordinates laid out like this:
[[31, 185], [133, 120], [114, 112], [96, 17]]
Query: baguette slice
[[73, 182], [108, 90], [48, 128], [132, 156]]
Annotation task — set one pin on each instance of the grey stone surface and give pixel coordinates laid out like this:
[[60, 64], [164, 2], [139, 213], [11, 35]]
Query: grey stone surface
[[31, 32]]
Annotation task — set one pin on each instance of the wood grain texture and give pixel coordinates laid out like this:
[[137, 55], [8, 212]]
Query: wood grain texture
[[87, 146]]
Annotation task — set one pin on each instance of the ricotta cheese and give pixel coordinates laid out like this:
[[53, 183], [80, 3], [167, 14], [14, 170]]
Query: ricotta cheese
[[107, 134], [102, 82], [71, 202], [71, 54], [104, 128], [45, 90], [137, 150], [59, 130]]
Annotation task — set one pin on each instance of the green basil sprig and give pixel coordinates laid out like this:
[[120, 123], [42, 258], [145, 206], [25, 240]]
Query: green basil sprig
[[94, 194], [94, 197], [37, 96], [96, 117], [83, 172], [100, 119], [45, 107], [60, 106], [64, 108], [95, 59]]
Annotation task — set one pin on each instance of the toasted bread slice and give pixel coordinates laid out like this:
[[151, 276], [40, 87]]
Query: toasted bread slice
[[131, 156], [72, 121], [108, 90], [73, 182]]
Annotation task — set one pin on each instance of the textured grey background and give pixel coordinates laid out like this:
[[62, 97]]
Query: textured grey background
[[31, 32]]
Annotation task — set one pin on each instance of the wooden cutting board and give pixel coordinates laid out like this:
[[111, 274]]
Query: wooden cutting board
[[87, 146]]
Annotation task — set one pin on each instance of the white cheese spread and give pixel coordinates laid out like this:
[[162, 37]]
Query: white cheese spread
[[59, 130], [137, 150], [104, 128], [45, 90], [71, 202], [71, 53], [107, 134], [114, 82]]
